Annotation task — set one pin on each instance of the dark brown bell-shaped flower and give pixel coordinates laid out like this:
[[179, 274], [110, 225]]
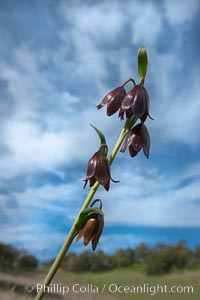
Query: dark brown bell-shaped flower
[[98, 169], [113, 100], [91, 221], [136, 139], [92, 229], [135, 103]]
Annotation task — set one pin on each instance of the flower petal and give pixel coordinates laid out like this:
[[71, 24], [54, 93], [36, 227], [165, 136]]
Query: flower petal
[[102, 174], [104, 101], [126, 141], [132, 151], [90, 230], [107, 186], [100, 225], [146, 138], [115, 96], [139, 105], [92, 181], [86, 181], [127, 101], [147, 104], [92, 163], [115, 102]]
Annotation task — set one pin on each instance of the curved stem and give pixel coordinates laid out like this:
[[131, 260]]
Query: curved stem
[[86, 203], [95, 201], [128, 80]]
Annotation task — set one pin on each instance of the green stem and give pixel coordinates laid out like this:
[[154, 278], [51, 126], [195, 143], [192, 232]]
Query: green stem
[[86, 203], [127, 126], [66, 244]]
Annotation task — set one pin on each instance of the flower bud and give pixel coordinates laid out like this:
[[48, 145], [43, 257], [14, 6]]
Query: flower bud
[[113, 100], [136, 139]]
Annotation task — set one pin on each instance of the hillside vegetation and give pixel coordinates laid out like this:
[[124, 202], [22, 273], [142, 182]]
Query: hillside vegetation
[[157, 260]]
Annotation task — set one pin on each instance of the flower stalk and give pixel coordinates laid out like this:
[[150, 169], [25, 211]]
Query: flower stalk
[[135, 105], [73, 231]]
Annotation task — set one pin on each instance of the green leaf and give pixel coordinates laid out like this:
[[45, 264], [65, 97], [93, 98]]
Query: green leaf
[[89, 210], [100, 134], [102, 140], [142, 61]]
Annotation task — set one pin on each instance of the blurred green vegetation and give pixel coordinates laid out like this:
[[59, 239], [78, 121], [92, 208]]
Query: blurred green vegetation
[[150, 260], [157, 260], [14, 259]]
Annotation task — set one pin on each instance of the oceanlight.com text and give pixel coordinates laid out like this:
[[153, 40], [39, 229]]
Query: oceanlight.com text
[[112, 288]]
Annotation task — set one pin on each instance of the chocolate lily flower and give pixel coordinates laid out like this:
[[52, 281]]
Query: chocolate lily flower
[[136, 103], [113, 100], [98, 169], [93, 227], [137, 138]]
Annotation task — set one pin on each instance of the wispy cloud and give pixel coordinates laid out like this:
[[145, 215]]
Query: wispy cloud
[[178, 14], [150, 197]]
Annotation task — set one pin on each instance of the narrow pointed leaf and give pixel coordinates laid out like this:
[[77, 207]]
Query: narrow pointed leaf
[[142, 61], [100, 134], [102, 140]]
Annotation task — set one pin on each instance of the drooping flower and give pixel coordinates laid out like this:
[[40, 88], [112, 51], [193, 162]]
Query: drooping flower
[[98, 169], [137, 138], [136, 103], [92, 227], [113, 100]]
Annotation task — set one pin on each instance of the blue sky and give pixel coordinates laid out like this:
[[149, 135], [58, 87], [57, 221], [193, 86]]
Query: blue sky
[[57, 61]]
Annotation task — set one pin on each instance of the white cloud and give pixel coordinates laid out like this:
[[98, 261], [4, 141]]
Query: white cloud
[[147, 23], [31, 149], [179, 12], [100, 22], [27, 85], [27, 208], [49, 197], [91, 28], [178, 113], [192, 170], [26, 59], [175, 106], [153, 200]]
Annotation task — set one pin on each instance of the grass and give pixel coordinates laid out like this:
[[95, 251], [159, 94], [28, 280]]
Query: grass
[[129, 278], [12, 287]]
